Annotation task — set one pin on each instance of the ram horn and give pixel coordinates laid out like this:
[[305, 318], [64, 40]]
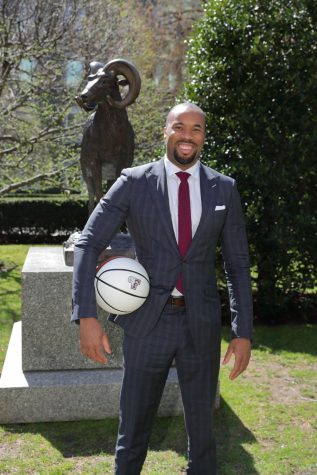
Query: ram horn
[[128, 70]]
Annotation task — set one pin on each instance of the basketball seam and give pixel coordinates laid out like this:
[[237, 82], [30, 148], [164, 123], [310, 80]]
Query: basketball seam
[[105, 301], [120, 290], [127, 270]]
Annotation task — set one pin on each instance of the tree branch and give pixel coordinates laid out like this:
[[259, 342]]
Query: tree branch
[[10, 138], [34, 179], [36, 138]]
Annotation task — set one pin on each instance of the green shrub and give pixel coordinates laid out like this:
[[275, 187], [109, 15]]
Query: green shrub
[[253, 68], [40, 219]]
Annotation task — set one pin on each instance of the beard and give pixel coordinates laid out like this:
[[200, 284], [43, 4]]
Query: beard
[[184, 161]]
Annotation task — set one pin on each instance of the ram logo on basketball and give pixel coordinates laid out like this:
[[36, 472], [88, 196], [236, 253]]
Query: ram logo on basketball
[[134, 282], [122, 285]]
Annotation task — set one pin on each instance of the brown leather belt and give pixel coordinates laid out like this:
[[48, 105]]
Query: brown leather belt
[[176, 301]]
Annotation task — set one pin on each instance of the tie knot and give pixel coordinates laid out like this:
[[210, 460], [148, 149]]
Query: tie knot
[[183, 176]]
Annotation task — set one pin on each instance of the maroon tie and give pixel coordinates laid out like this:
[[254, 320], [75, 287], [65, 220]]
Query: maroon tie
[[184, 221]]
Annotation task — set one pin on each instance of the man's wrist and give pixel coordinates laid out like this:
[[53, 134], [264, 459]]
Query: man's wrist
[[244, 338], [87, 320]]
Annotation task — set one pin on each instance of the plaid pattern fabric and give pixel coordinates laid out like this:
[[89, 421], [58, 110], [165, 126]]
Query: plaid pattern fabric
[[146, 364]]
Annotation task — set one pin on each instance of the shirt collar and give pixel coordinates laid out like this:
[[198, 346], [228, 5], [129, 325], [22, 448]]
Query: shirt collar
[[171, 169]]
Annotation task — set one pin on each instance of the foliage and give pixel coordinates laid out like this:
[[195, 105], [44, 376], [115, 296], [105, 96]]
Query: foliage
[[46, 48], [38, 219], [36, 142], [171, 23], [253, 68]]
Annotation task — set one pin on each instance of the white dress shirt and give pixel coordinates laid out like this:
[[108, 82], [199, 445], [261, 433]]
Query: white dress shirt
[[195, 197]]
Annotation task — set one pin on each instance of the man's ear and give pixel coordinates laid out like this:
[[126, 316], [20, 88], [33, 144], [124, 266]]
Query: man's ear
[[164, 132]]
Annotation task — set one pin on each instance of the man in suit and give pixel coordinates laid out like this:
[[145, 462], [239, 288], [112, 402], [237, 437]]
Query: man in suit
[[177, 210]]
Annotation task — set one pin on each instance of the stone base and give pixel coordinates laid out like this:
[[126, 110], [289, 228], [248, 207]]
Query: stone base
[[43, 396]]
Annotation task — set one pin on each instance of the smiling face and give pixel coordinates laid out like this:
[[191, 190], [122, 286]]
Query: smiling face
[[184, 135]]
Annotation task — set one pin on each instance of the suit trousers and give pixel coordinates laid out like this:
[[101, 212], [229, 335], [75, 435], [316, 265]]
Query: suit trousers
[[146, 365]]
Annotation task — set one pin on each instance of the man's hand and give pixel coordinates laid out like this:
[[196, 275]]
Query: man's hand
[[93, 340], [241, 348]]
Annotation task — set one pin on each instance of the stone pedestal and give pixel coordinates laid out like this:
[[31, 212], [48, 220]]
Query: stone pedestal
[[43, 396], [45, 377]]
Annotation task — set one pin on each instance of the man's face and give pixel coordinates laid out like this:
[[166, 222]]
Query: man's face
[[184, 135]]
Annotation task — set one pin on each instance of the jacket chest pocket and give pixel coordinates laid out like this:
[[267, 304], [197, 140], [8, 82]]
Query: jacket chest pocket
[[217, 221]]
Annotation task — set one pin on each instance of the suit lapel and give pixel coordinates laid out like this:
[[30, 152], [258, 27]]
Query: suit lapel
[[209, 187], [156, 177]]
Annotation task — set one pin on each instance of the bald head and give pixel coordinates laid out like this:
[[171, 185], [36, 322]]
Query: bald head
[[184, 107]]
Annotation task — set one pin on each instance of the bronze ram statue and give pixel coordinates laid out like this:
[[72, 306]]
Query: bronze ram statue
[[108, 136]]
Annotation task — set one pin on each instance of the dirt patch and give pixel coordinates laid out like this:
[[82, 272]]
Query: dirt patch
[[284, 387], [10, 449]]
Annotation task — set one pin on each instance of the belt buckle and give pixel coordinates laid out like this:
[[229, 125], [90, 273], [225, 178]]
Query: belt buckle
[[173, 301], [176, 301]]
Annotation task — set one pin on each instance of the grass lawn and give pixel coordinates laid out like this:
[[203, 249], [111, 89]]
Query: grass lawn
[[266, 424]]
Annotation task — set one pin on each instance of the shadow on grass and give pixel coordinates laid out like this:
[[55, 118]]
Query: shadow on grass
[[276, 338], [87, 438], [231, 438], [12, 277]]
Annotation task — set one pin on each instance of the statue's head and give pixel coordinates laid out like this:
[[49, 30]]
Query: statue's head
[[103, 85]]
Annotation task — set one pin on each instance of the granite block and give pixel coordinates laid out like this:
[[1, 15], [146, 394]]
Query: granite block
[[50, 341], [43, 396]]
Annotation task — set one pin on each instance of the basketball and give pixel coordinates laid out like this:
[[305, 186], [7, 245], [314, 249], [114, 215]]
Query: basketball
[[122, 285]]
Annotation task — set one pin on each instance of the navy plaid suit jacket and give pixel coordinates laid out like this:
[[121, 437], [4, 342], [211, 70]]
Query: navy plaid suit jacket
[[140, 197]]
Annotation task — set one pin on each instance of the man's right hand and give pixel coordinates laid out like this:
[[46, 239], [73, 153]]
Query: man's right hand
[[94, 342]]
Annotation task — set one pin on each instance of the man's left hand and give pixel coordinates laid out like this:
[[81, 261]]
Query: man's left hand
[[241, 348]]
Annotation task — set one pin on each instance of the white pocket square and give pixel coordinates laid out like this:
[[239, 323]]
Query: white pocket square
[[218, 208]]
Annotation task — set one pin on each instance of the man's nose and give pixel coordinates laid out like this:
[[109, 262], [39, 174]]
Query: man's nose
[[187, 134]]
